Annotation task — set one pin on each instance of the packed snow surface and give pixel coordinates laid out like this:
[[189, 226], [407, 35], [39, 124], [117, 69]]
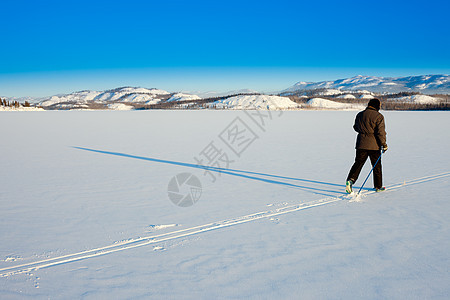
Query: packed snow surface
[[161, 226], [85, 211], [263, 102]]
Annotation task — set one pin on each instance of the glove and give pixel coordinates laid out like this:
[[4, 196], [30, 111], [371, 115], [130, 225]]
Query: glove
[[384, 149]]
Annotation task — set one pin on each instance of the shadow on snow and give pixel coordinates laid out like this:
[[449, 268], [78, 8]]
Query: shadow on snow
[[239, 173]]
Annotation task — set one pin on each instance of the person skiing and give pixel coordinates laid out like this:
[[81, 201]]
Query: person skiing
[[371, 139]]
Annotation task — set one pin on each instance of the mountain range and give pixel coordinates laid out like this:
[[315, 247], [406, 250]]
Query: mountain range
[[361, 87], [425, 84]]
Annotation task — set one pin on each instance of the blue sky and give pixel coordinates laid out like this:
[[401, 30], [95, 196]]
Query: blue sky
[[51, 47]]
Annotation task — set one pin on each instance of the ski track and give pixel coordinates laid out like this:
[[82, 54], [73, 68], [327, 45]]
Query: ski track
[[153, 239]]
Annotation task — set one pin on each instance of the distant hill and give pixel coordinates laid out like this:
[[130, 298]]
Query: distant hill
[[426, 84], [98, 99], [263, 102]]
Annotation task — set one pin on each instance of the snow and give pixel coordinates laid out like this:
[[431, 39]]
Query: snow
[[212, 94], [97, 225], [132, 90], [78, 97], [133, 94], [331, 92], [21, 108], [182, 97], [365, 92], [347, 96], [263, 102], [328, 104], [421, 86], [366, 96], [109, 96], [137, 98], [419, 99], [152, 101], [124, 94], [161, 226], [425, 83], [120, 106]]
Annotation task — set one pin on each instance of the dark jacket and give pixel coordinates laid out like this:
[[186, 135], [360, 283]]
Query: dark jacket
[[369, 124]]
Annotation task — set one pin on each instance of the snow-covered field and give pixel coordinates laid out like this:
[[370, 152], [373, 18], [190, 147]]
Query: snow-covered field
[[85, 210]]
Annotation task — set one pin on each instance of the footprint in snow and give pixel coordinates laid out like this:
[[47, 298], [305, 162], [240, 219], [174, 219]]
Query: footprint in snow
[[12, 258], [274, 220]]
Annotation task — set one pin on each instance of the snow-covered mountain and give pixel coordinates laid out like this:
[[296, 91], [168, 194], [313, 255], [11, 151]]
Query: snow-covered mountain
[[418, 99], [213, 94], [263, 102], [427, 84], [84, 99], [320, 103], [183, 97], [355, 89]]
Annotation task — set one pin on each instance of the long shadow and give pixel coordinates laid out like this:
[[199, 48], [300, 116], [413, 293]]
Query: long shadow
[[281, 177], [231, 172], [285, 177]]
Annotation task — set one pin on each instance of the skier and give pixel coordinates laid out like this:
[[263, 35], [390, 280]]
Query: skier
[[371, 139]]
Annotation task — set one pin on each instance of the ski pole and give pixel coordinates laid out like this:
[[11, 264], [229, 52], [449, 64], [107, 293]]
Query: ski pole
[[370, 172]]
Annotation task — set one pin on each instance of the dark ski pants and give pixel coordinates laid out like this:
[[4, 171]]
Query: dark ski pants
[[360, 160]]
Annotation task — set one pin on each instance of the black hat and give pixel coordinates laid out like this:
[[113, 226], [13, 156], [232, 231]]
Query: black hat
[[375, 103]]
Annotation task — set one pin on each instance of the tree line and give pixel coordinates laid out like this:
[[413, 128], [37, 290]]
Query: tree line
[[16, 104]]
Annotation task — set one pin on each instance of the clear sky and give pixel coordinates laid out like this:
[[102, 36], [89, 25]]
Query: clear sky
[[50, 47]]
